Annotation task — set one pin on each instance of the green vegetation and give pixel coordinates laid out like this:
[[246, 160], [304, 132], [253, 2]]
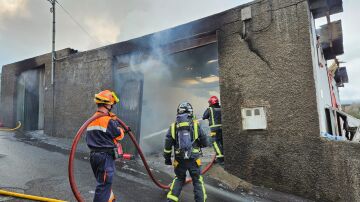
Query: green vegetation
[[353, 110]]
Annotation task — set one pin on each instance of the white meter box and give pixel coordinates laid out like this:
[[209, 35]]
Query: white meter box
[[246, 13], [254, 118]]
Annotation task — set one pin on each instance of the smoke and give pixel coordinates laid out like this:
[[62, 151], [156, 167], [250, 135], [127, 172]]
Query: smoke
[[169, 79]]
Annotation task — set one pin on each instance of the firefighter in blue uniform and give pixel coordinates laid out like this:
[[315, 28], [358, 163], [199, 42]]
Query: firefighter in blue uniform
[[101, 137], [213, 114], [187, 139]]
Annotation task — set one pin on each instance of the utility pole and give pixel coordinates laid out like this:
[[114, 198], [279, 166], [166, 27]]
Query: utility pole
[[53, 57], [52, 10]]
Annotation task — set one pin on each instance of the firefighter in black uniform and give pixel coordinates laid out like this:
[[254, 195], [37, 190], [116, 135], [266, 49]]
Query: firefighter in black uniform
[[187, 138], [213, 114]]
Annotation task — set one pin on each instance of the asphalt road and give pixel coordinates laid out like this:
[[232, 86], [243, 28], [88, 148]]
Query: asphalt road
[[27, 167]]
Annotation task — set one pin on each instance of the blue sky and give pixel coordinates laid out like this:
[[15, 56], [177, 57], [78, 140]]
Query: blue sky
[[25, 26]]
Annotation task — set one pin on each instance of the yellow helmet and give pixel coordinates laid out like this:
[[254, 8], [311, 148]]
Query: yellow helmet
[[106, 97]]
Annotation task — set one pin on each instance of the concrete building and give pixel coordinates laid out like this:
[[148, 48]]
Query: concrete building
[[280, 103]]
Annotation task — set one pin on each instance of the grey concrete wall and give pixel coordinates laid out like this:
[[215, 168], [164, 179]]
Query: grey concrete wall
[[9, 76], [78, 78], [272, 67]]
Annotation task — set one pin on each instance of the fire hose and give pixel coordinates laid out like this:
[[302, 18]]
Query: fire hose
[[11, 129], [26, 196], [132, 137]]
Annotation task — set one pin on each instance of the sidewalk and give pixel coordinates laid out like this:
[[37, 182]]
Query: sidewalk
[[229, 184], [217, 179]]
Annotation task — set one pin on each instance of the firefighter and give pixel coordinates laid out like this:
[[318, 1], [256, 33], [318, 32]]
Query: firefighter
[[187, 139], [101, 137], [213, 114]]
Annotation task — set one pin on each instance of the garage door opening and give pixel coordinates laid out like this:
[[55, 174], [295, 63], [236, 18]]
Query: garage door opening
[[182, 71], [30, 99], [191, 75]]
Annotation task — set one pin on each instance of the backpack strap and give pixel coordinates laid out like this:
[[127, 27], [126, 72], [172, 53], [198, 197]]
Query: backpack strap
[[196, 130], [212, 121], [182, 124], [185, 124]]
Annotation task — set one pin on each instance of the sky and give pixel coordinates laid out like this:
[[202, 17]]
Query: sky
[[25, 26]]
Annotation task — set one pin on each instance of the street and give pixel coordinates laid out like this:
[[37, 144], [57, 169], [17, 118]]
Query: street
[[27, 167]]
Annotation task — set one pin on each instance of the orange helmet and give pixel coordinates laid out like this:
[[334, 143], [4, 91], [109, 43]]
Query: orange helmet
[[106, 97]]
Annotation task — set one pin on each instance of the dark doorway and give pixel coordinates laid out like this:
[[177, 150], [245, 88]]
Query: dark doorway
[[129, 87], [191, 75], [30, 100]]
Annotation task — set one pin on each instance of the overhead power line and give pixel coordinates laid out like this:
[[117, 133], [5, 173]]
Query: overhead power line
[[77, 23]]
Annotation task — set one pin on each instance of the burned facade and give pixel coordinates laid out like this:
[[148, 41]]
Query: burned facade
[[262, 58]]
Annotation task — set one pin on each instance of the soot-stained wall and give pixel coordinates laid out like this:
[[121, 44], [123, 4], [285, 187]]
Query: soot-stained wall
[[267, 63], [10, 74], [79, 76]]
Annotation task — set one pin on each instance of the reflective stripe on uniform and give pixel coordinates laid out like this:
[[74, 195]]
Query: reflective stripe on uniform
[[196, 130], [167, 151], [217, 149], [213, 126], [112, 197], [212, 116], [91, 128], [203, 187], [170, 195], [213, 119], [173, 130], [182, 124], [196, 150]]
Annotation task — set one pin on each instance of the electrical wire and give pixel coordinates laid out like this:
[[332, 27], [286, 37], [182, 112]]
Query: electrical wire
[[76, 22]]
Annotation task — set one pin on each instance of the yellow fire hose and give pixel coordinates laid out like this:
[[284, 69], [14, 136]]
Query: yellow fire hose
[[30, 197], [11, 129]]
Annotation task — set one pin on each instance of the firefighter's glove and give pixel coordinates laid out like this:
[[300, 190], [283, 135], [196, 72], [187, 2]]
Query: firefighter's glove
[[168, 161]]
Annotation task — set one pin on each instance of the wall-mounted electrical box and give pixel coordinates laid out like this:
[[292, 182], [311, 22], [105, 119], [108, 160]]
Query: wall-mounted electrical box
[[246, 13], [254, 118]]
